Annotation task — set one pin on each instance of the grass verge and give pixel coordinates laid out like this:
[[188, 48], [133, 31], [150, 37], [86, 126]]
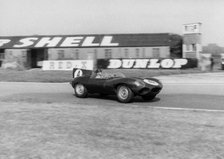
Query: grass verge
[[68, 131], [38, 75]]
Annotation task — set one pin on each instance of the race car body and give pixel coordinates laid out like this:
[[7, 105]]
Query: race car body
[[124, 87]]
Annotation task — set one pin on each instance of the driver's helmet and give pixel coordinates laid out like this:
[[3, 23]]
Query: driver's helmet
[[98, 71]]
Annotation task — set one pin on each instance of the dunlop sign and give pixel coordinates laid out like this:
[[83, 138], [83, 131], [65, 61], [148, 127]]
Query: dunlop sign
[[147, 63]]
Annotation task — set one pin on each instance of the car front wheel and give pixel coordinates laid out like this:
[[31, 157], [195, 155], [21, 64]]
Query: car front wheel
[[80, 91], [124, 94]]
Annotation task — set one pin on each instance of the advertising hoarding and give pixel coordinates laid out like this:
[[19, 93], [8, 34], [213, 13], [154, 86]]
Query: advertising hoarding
[[67, 65], [84, 41], [165, 63]]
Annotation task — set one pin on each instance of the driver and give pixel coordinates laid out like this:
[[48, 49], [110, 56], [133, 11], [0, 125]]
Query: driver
[[100, 75], [97, 74]]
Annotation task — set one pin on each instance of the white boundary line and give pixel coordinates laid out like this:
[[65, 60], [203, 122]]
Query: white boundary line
[[193, 83], [189, 109], [182, 109]]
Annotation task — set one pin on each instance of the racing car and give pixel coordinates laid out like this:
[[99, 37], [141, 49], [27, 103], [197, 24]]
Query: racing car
[[125, 88]]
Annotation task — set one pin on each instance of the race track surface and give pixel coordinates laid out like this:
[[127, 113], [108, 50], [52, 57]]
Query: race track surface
[[197, 91]]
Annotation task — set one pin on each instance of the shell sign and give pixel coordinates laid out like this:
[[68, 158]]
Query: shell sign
[[57, 41]]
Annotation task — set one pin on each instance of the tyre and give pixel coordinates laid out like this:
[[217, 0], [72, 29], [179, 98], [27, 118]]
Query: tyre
[[124, 94], [80, 91], [148, 97]]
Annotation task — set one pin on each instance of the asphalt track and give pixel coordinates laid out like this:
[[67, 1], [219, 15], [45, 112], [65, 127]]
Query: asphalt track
[[196, 91]]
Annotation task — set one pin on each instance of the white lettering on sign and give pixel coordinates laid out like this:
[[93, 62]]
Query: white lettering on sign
[[25, 42], [179, 62], [147, 63], [153, 63], [4, 41], [89, 41], [71, 41], [128, 63], [141, 63], [115, 63], [107, 41], [167, 63], [67, 64], [49, 42]]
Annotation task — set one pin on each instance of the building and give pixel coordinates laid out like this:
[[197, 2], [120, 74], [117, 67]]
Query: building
[[192, 46], [29, 51]]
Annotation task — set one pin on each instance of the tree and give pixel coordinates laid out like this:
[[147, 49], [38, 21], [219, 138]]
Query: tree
[[213, 49], [176, 42]]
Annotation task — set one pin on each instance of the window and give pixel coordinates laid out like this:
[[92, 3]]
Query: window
[[76, 54], [126, 54], [108, 53], [195, 27], [156, 52], [188, 48], [61, 54], [193, 47], [143, 52], [137, 53]]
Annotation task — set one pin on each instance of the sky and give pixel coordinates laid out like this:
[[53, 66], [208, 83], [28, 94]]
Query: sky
[[70, 17]]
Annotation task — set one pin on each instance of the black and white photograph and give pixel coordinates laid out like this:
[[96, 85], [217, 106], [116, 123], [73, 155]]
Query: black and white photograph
[[111, 79]]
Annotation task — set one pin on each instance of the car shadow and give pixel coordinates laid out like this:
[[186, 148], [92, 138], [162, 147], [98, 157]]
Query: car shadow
[[136, 99], [140, 100]]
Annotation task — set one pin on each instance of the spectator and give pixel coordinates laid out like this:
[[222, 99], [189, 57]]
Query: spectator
[[212, 63]]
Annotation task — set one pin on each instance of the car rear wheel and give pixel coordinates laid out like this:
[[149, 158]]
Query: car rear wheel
[[148, 97], [124, 94], [80, 91]]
